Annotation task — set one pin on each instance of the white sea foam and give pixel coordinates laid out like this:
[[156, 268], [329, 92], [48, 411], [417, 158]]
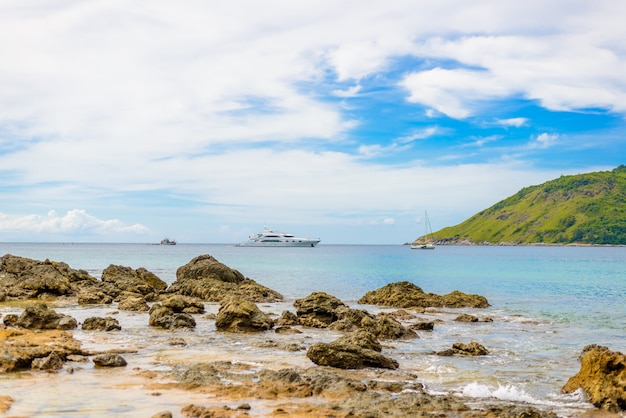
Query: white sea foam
[[505, 393]]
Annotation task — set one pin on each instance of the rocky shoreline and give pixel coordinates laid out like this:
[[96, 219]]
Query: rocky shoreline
[[351, 375]]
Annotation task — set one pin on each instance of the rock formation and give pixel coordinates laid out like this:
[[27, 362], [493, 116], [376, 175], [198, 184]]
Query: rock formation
[[355, 350], [240, 315], [408, 295], [209, 280], [602, 376]]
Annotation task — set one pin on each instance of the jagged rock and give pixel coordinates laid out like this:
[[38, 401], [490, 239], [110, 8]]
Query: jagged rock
[[423, 326], [24, 278], [186, 304], [240, 315], [352, 351], [10, 320], [101, 324], [128, 279], [20, 347], [466, 318], [408, 295], [133, 303], [50, 363], [164, 317], [471, 349], [287, 318], [93, 296], [109, 360], [602, 376], [319, 309], [209, 280], [38, 316]]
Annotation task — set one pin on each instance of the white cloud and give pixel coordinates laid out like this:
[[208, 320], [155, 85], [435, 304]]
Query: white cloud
[[75, 221], [350, 92], [514, 122], [545, 140]]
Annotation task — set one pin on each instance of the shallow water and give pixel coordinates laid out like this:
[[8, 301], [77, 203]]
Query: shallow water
[[547, 304]]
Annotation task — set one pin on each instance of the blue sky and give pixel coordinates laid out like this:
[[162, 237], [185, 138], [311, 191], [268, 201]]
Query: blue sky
[[204, 120]]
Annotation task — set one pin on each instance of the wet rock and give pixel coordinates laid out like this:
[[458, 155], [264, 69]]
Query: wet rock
[[186, 304], [209, 280], [24, 278], [127, 279], [408, 295], [423, 326], [50, 363], [93, 296], [5, 403], [164, 317], [352, 351], [10, 320], [20, 347], [38, 316], [133, 303], [471, 349], [287, 318], [240, 315], [318, 310], [109, 360], [602, 376], [101, 324], [164, 414], [466, 318]]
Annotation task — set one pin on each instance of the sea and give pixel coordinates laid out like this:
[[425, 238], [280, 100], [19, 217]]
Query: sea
[[547, 304]]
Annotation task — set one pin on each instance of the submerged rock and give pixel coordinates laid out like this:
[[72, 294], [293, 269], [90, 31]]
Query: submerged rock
[[95, 323], [602, 376], [240, 315], [209, 280], [471, 349], [408, 295]]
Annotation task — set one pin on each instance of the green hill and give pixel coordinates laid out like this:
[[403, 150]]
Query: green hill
[[581, 209]]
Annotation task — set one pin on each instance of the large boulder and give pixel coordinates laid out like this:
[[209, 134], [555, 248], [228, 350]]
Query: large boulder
[[127, 279], [240, 315], [355, 350], [164, 317], [209, 280], [602, 376], [20, 347], [24, 278], [39, 316], [408, 295]]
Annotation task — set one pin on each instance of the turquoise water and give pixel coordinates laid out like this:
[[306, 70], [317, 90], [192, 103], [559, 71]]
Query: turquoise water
[[547, 302]]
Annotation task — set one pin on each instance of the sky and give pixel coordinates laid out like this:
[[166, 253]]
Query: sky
[[203, 121]]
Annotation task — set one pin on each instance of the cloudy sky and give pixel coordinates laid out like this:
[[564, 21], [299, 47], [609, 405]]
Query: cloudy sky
[[130, 121]]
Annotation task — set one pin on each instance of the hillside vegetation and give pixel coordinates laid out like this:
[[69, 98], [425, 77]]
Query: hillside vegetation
[[584, 209]]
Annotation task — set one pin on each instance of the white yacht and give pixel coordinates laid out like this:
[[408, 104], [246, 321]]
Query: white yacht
[[269, 238]]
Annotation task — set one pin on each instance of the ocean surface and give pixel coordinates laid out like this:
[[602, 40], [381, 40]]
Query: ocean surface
[[547, 303]]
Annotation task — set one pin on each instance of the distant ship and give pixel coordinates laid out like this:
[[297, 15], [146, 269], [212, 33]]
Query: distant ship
[[167, 241], [269, 238]]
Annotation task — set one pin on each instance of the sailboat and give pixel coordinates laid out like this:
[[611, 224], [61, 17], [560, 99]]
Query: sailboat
[[428, 239]]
